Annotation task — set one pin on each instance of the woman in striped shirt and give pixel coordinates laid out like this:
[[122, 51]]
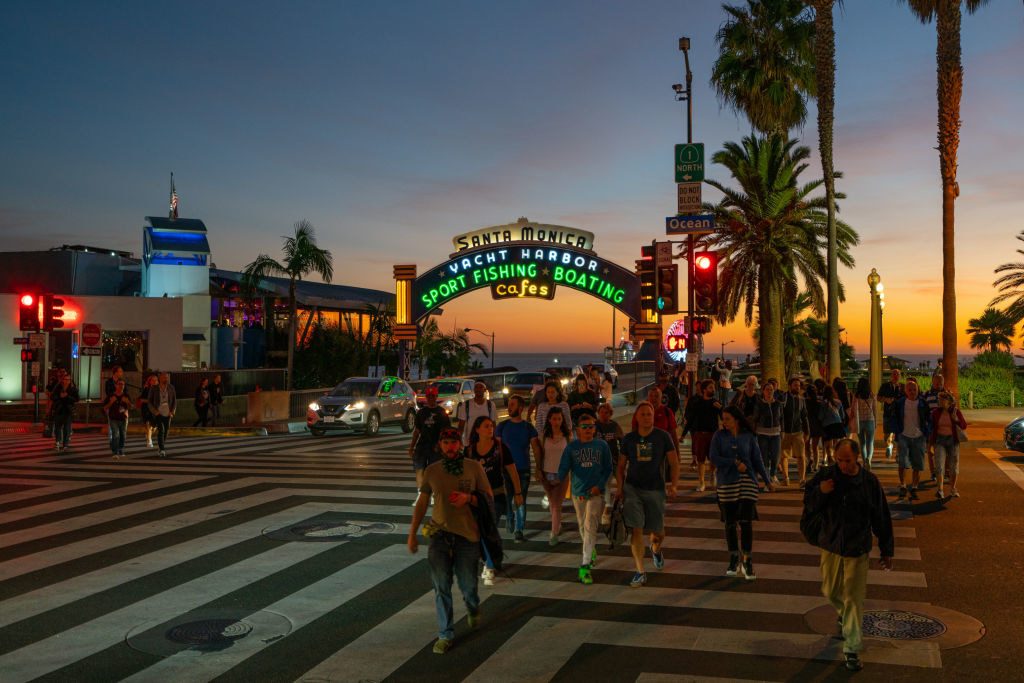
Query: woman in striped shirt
[[738, 463]]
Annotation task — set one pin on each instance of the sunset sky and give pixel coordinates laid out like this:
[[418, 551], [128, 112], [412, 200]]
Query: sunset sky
[[394, 126]]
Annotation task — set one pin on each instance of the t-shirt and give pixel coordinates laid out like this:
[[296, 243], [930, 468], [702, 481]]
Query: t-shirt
[[911, 424], [429, 423], [931, 398], [517, 436], [494, 463], [645, 458], [578, 397], [553, 448], [471, 410], [611, 433], [118, 410], [440, 484]]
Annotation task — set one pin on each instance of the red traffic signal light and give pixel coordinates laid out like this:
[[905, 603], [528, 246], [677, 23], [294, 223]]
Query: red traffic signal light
[[53, 312], [705, 282], [28, 313], [675, 342]]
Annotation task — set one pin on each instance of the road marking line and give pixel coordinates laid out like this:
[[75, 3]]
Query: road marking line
[[1016, 474]]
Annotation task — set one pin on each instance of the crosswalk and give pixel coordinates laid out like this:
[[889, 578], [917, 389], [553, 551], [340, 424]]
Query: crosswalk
[[284, 558]]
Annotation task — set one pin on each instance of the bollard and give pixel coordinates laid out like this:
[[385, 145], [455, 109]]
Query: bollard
[[970, 400], [1013, 403]]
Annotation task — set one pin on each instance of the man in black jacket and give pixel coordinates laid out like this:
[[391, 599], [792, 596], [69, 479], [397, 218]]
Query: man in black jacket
[[852, 505], [702, 414]]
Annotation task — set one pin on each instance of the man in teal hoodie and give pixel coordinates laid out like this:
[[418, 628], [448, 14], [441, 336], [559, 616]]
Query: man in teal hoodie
[[589, 462]]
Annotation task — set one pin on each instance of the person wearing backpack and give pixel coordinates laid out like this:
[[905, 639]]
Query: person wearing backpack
[[843, 505]]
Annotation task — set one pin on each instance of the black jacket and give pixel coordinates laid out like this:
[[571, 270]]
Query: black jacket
[[62, 406], [794, 415], [701, 415], [853, 510], [487, 523]]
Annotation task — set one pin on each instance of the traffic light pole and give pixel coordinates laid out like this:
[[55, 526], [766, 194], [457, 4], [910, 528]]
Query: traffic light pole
[[684, 46]]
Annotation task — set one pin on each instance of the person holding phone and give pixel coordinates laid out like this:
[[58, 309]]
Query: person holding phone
[[852, 506]]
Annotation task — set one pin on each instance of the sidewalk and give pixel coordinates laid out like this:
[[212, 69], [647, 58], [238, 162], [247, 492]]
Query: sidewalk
[[280, 427]]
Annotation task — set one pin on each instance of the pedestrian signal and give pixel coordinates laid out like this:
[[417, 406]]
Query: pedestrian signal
[[701, 325], [675, 342]]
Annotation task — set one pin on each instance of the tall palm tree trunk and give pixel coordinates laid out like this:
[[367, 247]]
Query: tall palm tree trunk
[[950, 87], [293, 313], [825, 72], [770, 340]]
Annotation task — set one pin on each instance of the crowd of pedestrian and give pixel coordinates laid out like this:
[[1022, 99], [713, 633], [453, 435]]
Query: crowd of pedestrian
[[743, 444]]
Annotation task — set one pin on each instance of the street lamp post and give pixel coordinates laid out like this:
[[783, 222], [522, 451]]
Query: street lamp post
[[724, 344], [877, 304], [491, 335]]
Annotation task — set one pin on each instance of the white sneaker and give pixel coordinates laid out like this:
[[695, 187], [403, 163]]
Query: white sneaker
[[488, 576], [149, 444], [700, 489], [544, 502], [954, 493]]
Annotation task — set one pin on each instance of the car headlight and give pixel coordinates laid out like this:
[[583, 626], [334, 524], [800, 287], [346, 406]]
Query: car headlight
[[449, 403], [564, 380], [314, 406], [358, 405], [504, 390]]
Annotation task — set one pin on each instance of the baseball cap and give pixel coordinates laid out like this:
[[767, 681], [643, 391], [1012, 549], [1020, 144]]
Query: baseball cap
[[450, 434], [430, 391]]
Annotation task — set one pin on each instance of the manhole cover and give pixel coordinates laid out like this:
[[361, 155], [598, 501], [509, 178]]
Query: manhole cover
[[901, 625], [329, 528], [208, 632]]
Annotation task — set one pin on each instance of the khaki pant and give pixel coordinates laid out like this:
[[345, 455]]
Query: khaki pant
[[844, 581], [792, 449], [588, 515]]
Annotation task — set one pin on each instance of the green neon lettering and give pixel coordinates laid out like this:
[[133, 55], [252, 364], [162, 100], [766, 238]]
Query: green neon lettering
[[558, 273], [462, 281], [504, 272], [531, 270], [593, 281], [476, 276], [619, 294], [425, 298]]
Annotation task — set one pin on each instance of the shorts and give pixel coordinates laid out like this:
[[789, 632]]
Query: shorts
[[911, 453], [701, 446], [643, 509], [420, 459]]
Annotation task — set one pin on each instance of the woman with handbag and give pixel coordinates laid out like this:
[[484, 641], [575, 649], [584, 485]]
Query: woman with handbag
[[946, 435], [862, 419]]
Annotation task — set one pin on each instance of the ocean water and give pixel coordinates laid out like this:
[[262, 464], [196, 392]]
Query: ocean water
[[537, 361]]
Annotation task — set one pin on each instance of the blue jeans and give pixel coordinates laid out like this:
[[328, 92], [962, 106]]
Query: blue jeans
[[453, 555], [118, 432], [62, 429], [866, 436], [770, 446], [517, 513]]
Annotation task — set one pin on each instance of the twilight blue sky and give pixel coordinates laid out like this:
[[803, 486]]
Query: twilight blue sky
[[394, 125]]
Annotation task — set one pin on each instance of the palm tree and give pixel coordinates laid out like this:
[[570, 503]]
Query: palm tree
[[993, 329], [771, 235], [301, 257], [825, 83], [1011, 286], [765, 65], [379, 327], [950, 76]]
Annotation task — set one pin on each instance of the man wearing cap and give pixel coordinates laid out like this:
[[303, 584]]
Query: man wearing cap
[[457, 484], [429, 423]]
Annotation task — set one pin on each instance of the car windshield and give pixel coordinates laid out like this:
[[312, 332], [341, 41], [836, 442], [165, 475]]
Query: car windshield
[[356, 388], [448, 387], [527, 378]]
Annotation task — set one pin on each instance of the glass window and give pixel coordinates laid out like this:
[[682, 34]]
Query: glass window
[[356, 388]]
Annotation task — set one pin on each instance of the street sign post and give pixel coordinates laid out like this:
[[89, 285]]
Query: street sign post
[[89, 350], [663, 254], [37, 340], [92, 334], [688, 198], [689, 163], [690, 225], [21, 340]]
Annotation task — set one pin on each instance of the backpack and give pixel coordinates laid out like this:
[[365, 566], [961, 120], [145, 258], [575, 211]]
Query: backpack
[[616, 530]]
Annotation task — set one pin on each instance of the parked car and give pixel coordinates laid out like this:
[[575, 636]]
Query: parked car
[[524, 384], [450, 392], [1013, 435], [363, 404]]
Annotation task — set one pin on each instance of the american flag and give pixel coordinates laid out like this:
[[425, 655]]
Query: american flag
[[174, 200]]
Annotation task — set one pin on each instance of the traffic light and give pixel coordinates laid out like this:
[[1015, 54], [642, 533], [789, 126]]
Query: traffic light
[[645, 269], [675, 342], [668, 289], [53, 312], [705, 282], [28, 313], [30, 355], [701, 325]]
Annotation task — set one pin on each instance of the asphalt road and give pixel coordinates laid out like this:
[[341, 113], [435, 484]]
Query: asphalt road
[[283, 558]]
